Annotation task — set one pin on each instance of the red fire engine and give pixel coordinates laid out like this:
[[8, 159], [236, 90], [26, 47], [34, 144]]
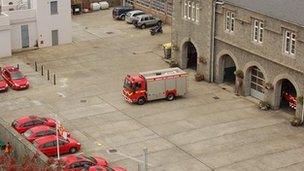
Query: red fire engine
[[153, 85]]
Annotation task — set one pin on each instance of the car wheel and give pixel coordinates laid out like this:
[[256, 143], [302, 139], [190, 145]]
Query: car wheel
[[170, 97], [141, 101], [143, 26], [123, 17], [152, 33], [73, 150]]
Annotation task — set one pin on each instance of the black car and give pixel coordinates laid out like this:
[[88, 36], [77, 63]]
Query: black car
[[119, 13]]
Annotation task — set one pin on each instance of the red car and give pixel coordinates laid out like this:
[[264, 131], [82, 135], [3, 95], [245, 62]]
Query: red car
[[100, 168], [24, 123], [292, 100], [3, 84], [39, 131], [14, 78], [48, 145], [80, 162]]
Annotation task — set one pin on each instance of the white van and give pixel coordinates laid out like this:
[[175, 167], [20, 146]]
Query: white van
[[130, 16]]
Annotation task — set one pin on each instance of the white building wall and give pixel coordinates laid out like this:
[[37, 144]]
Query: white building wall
[[40, 24], [19, 18], [16, 35], [5, 43], [5, 36], [47, 22]]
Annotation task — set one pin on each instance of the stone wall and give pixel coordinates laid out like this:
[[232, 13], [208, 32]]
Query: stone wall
[[165, 18], [198, 33], [21, 147]]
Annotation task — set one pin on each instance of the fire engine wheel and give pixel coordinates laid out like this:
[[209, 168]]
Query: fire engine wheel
[[73, 150], [141, 101], [170, 97]]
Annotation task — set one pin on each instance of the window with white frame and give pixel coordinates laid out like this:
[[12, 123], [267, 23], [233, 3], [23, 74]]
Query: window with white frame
[[230, 21], [197, 13], [193, 11], [258, 31], [290, 42], [54, 7], [185, 9], [189, 10]]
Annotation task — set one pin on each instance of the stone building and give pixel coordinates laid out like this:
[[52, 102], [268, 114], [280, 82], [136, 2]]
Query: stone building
[[263, 39]]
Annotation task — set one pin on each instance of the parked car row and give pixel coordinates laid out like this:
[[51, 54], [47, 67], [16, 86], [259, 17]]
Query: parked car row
[[11, 76], [42, 133], [136, 17]]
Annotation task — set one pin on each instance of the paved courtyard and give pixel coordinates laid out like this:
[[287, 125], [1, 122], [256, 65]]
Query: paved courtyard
[[208, 129]]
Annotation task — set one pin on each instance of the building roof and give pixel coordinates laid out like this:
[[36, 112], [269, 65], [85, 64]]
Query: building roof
[[286, 10]]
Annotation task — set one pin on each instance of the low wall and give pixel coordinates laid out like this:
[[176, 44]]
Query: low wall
[[21, 147]]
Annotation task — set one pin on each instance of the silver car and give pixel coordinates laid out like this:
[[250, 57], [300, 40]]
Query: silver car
[[130, 16], [144, 21]]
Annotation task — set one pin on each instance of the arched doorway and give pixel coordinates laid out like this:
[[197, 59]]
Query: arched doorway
[[256, 81], [287, 95], [191, 55], [228, 68]]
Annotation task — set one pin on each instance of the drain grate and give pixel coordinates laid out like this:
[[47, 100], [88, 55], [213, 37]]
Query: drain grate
[[83, 101], [216, 98]]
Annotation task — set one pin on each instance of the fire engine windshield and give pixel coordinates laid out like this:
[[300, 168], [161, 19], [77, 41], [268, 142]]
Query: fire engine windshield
[[128, 84]]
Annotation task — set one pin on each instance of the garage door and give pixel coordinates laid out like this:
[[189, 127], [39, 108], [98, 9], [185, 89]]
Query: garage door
[[257, 83]]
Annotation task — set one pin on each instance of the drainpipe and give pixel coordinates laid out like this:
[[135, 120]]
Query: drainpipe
[[302, 113], [214, 3]]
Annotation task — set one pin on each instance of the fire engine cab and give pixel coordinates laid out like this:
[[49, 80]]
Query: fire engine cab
[[153, 85]]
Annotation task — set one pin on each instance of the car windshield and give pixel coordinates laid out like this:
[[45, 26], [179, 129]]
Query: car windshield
[[128, 84], [90, 158], [28, 133], [17, 75]]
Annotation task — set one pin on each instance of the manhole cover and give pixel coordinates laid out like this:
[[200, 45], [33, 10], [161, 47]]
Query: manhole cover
[[109, 32], [216, 98], [83, 101]]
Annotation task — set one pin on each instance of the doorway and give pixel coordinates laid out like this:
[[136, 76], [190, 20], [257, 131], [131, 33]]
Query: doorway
[[25, 41], [54, 37]]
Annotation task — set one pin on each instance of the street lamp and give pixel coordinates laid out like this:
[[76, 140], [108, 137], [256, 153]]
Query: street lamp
[[145, 161], [57, 138]]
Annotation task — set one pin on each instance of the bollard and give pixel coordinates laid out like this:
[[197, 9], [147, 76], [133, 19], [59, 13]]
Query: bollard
[[54, 79], [0, 68], [36, 68], [48, 74], [18, 66], [42, 70]]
